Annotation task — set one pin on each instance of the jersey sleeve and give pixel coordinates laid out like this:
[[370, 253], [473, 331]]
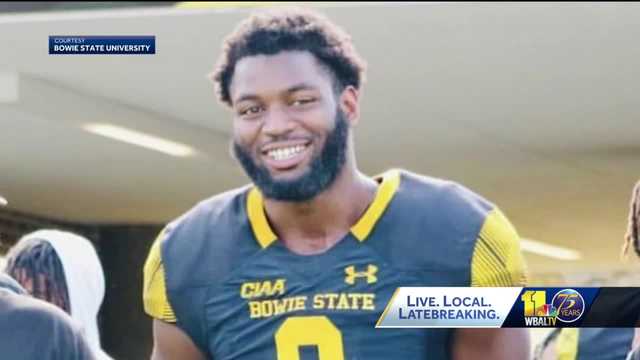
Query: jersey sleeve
[[156, 302], [497, 259]]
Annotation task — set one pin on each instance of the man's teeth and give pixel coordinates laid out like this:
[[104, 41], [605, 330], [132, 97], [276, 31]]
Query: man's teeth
[[285, 153]]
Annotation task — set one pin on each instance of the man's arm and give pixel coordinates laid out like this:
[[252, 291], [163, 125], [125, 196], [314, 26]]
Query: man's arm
[[495, 344], [497, 262], [170, 342]]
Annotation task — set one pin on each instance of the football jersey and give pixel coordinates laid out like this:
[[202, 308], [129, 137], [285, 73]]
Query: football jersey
[[221, 275]]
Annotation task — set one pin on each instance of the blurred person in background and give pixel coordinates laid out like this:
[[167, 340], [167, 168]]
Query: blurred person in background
[[613, 343], [632, 239], [31, 329], [62, 268]]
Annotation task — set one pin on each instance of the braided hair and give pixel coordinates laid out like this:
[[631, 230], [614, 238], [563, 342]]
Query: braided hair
[[36, 266], [632, 237]]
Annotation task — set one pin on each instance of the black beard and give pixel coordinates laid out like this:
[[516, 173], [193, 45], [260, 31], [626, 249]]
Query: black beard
[[323, 170]]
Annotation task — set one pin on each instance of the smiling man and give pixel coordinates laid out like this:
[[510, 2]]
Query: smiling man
[[301, 263]]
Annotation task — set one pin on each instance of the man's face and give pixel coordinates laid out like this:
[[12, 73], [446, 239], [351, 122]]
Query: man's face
[[289, 134]]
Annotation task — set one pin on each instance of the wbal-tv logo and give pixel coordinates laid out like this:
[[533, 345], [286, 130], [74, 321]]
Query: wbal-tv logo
[[566, 305]]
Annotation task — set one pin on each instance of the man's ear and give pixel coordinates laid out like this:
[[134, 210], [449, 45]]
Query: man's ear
[[350, 104]]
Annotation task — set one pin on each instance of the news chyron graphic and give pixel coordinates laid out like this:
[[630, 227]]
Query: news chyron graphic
[[448, 307], [466, 307], [101, 45], [567, 305]]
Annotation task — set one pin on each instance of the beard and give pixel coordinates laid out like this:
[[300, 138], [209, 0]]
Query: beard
[[323, 169]]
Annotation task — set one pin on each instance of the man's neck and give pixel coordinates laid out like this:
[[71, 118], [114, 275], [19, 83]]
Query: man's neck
[[317, 225]]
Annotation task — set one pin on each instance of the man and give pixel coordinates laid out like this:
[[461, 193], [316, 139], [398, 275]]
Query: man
[[301, 263]]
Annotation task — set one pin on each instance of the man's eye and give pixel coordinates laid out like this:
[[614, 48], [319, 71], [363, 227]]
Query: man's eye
[[251, 110], [299, 102]]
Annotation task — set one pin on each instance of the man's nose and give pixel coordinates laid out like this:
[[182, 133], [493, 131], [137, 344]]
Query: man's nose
[[278, 121]]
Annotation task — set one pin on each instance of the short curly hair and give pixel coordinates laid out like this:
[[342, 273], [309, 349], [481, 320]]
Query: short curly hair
[[290, 29]]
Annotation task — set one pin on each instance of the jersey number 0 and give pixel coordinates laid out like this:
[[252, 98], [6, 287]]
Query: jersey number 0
[[317, 331]]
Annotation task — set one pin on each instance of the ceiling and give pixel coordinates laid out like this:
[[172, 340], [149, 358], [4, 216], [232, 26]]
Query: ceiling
[[33, 6], [533, 105]]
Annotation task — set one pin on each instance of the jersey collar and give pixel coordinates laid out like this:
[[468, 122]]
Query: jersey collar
[[390, 181]]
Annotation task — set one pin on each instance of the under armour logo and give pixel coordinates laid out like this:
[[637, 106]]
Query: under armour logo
[[352, 274]]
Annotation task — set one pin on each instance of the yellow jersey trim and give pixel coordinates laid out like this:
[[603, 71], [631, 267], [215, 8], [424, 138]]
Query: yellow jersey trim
[[258, 219], [567, 344], [497, 259], [154, 296], [385, 192]]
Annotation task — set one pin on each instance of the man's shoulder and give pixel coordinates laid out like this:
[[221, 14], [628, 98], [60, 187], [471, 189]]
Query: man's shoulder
[[31, 310], [434, 224], [466, 231], [217, 230], [25, 321], [8, 283], [441, 196]]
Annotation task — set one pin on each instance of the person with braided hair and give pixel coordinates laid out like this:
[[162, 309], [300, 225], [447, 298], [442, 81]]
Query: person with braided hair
[[63, 269], [35, 265], [34, 329]]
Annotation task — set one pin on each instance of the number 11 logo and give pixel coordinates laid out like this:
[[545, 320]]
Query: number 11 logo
[[534, 303]]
